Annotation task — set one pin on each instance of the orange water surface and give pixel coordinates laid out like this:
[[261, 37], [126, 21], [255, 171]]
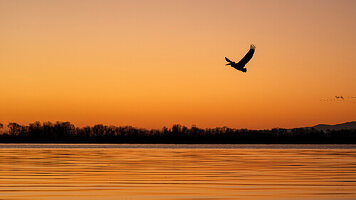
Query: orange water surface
[[176, 173]]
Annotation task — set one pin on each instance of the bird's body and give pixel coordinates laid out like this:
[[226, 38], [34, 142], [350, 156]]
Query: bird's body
[[241, 64]]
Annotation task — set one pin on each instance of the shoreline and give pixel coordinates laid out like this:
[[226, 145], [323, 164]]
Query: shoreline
[[172, 146]]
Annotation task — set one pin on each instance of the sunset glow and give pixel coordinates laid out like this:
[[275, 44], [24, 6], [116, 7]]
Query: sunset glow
[[156, 63]]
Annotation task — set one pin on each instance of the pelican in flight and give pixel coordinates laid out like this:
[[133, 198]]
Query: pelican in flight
[[241, 64]]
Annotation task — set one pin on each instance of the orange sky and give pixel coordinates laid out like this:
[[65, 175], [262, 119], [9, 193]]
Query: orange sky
[[155, 63]]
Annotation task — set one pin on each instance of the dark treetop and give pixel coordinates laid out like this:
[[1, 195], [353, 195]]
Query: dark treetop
[[65, 132]]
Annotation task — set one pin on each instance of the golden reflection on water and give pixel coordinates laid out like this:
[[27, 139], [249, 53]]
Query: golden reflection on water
[[146, 173]]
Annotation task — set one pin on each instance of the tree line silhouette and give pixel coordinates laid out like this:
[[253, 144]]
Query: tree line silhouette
[[65, 132]]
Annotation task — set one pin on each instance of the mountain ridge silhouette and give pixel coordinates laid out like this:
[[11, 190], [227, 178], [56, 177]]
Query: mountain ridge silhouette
[[341, 126]]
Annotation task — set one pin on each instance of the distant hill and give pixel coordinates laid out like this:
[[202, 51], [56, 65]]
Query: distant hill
[[343, 126]]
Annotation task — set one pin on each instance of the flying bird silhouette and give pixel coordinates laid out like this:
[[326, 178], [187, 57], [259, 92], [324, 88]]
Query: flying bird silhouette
[[241, 64]]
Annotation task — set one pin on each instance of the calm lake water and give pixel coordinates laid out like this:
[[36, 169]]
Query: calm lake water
[[177, 172]]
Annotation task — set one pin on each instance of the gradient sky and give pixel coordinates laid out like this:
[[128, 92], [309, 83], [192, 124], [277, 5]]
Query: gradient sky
[[155, 63]]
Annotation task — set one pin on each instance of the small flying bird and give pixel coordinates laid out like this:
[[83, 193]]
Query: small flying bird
[[241, 64], [339, 97]]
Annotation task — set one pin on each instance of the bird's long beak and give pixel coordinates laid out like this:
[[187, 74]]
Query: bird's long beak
[[228, 64]]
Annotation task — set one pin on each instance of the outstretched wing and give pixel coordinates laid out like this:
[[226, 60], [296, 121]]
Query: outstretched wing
[[227, 60], [248, 56]]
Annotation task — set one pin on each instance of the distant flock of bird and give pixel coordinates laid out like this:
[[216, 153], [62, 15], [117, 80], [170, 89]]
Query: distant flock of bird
[[339, 99]]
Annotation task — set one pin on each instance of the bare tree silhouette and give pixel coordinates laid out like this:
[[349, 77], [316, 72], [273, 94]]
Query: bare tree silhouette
[[67, 132]]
